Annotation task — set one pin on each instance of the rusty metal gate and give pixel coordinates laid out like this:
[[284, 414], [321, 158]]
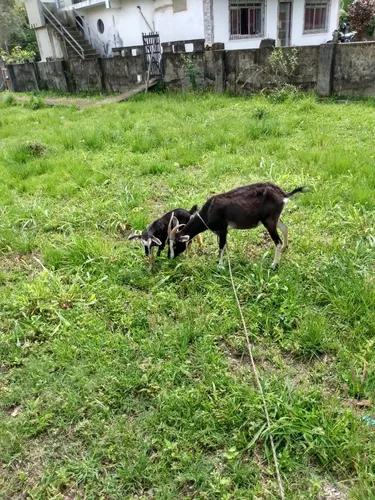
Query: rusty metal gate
[[151, 44]]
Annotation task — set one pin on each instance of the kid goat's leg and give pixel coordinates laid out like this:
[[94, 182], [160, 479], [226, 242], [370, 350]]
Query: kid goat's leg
[[271, 225]]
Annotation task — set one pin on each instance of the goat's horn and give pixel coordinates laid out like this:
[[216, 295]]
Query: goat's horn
[[135, 234], [172, 223], [172, 234]]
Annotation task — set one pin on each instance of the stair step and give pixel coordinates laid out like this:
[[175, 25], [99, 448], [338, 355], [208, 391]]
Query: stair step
[[85, 46]]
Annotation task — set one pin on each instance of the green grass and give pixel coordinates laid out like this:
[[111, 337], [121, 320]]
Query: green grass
[[118, 380]]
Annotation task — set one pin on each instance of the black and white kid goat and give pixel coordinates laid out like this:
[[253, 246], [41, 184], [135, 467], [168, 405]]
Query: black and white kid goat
[[242, 208], [158, 232]]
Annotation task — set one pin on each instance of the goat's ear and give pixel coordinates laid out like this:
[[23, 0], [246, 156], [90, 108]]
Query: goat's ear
[[184, 239], [156, 240], [134, 236]]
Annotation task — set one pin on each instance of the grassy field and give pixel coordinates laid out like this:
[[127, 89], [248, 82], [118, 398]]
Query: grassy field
[[118, 380]]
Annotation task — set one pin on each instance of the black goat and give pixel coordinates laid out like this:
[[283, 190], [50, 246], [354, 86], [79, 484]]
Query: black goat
[[157, 233], [242, 208]]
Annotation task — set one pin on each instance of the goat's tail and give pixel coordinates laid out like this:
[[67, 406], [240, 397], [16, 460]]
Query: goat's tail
[[193, 209], [302, 189]]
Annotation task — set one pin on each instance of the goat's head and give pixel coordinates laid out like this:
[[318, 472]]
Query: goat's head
[[147, 240]]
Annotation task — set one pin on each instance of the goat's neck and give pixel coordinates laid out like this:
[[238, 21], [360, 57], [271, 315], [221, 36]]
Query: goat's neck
[[193, 227]]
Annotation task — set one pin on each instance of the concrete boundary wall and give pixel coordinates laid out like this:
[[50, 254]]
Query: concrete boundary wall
[[343, 69]]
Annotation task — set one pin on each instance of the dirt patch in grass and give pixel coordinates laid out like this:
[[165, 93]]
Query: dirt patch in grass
[[332, 492], [24, 475], [30, 263]]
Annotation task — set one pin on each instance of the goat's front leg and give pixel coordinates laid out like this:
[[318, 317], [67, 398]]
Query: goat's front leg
[[222, 244]]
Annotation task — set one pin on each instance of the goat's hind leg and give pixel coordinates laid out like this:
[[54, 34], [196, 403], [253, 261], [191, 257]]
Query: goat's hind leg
[[284, 231], [222, 235], [271, 226]]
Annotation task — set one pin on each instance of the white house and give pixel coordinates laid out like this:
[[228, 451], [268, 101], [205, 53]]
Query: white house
[[239, 24]]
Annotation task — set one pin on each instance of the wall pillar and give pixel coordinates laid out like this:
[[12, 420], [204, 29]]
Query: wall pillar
[[208, 19], [325, 69]]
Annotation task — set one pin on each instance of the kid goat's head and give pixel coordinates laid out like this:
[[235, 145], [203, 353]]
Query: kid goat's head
[[147, 240], [178, 241]]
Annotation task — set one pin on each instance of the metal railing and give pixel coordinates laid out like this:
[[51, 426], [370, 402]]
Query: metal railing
[[60, 28]]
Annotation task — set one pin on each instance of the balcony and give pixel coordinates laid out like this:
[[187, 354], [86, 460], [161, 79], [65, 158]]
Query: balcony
[[81, 4]]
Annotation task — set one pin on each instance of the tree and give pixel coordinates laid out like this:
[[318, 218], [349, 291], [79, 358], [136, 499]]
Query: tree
[[10, 22], [15, 33], [361, 16]]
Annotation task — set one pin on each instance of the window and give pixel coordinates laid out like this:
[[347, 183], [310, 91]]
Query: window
[[179, 5], [316, 15], [100, 26], [246, 18]]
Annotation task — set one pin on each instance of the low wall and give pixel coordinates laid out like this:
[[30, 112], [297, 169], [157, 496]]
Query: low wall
[[354, 69], [53, 75], [121, 72], [23, 77], [345, 69], [86, 75]]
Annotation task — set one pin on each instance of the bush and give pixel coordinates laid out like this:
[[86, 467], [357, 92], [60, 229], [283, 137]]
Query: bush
[[191, 70], [283, 93], [282, 64], [8, 100], [361, 16], [35, 103], [17, 55]]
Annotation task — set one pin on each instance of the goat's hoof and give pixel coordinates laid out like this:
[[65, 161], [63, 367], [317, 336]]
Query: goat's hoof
[[274, 266], [220, 267]]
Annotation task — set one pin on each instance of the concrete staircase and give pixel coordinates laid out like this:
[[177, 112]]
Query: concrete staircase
[[77, 47], [88, 50]]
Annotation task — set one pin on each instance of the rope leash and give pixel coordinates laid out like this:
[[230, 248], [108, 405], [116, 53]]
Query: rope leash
[[255, 372], [257, 380]]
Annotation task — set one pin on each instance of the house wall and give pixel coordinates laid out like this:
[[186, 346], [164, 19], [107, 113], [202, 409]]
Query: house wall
[[50, 46], [221, 25], [185, 25], [124, 25], [298, 19]]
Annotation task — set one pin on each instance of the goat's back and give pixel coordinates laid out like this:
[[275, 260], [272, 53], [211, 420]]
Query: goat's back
[[244, 207]]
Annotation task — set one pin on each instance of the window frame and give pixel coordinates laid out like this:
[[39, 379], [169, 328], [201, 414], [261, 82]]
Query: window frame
[[326, 24], [262, 20]]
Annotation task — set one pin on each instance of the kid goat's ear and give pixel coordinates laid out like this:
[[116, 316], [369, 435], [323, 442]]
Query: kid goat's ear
[[185, 238], [156, 240]]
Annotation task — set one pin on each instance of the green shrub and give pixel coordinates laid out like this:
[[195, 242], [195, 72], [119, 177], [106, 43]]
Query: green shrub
[[35, 103], [8, 100], [283, 93]]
